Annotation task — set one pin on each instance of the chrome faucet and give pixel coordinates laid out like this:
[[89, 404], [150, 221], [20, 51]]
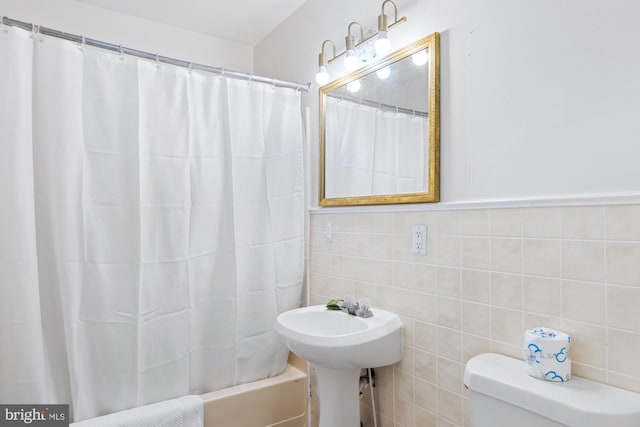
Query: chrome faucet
[[361, 308]]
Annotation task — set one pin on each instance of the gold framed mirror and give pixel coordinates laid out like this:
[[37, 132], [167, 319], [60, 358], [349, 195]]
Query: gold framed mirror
[[380, 130]]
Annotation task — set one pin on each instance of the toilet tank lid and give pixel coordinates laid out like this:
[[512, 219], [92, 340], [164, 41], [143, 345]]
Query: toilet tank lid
[[577, 402]]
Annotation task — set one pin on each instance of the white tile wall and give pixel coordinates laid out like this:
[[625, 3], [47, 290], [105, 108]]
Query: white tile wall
[[488, 275]]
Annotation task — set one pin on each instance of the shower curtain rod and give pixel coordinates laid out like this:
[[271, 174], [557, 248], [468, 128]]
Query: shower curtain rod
[[377, 104], [151, 56]]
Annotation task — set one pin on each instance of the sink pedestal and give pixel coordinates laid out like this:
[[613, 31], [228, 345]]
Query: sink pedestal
[[339, 396], [339, 345]]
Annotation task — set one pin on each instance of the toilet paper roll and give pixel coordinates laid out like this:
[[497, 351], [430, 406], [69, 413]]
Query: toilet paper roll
[[547, 354]]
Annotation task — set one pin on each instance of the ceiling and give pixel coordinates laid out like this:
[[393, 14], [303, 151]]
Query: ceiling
[[243, 21]]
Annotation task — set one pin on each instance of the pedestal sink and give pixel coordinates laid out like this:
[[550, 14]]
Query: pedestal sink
[[339, 345]]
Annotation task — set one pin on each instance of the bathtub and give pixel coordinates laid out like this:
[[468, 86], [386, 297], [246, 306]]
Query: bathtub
[[279, 401]]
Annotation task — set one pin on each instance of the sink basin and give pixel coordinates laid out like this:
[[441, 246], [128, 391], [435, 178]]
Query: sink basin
[[339, 340], [339, 345]]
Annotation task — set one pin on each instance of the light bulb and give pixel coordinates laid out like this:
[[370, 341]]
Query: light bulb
[[420, 58], [354, 86], [351, 61], [323, 76], [383, 44], [383, 73]]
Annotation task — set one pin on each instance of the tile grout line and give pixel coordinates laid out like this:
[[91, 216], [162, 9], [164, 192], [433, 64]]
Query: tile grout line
[[605, 271], [522, 273], [562, 278], [490, 284]]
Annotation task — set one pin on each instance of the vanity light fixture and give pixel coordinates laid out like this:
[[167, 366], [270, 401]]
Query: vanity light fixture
[[352, 61], [383, 44], [322, 77]]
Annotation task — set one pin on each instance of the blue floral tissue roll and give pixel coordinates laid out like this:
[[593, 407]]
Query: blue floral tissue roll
[[547, 354]]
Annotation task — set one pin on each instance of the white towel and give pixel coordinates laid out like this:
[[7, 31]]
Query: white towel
[[187, 411]]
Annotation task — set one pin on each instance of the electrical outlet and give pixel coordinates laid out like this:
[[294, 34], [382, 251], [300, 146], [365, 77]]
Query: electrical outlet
[[328, 234], [419, 239]]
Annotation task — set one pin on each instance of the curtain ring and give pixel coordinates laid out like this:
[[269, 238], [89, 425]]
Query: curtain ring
[[157, 61], [121, 50], [190, 67]]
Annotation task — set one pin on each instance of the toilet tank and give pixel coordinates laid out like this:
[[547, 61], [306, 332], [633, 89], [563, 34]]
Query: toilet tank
[[502, 394]]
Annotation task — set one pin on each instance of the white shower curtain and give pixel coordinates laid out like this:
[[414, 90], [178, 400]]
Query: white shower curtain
[[151, 227], [374, 151]]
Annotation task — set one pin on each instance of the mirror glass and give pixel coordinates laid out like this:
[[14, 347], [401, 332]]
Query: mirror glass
[[380, 131]]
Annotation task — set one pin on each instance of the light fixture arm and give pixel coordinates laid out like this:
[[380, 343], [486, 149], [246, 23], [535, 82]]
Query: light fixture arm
[[333, 45], [350, 40], [395, 12], [382, 22], [361, 31], [322, 58]]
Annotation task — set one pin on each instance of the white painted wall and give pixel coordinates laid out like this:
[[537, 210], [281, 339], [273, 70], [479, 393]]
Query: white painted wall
[[539, 98], [107, 25]]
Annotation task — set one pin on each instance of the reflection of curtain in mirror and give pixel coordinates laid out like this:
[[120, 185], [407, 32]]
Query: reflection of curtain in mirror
[[371, 151], [350, 139], [400, 161]]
